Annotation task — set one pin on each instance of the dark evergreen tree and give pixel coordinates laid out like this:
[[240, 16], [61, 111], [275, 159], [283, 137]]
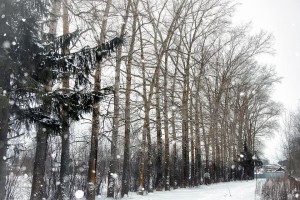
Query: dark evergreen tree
[[248, 161], [18, 45], [29, 61]]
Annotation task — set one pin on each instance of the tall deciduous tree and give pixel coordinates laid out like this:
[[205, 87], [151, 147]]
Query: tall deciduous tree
[[92, 172], [126, 176]]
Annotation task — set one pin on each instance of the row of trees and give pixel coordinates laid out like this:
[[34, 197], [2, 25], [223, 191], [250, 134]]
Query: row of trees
[[179, 96], [291, 139]]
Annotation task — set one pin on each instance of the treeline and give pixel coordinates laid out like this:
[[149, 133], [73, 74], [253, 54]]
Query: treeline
[[112, 96], [290, 143]]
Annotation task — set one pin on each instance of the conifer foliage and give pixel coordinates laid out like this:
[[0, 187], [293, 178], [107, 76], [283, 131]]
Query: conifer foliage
[[30, 60]]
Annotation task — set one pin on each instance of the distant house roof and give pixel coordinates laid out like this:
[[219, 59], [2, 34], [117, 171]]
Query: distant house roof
[[273, 168], [280, 169]]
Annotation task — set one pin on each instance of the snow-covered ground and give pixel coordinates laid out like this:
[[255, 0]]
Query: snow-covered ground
[[238, 190]]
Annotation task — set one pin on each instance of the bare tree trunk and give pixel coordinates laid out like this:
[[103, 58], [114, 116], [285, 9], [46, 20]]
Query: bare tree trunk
[[192, 149], [159, 166], [126, 162], [185, 125], [166, 127], [64, 187], [146, 120], [205, 138], [150, 174], [197, 134], [38, 181], [4, 119], [92, 173], [174, 178]]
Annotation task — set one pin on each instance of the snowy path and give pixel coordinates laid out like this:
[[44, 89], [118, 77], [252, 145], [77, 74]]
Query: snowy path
[[239, 190]]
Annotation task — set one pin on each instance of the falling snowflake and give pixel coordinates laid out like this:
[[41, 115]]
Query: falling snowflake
[[53, 155], [79, 194], [11, 102], [114, 175], [4, 158], [2, 16], [6, 44], [66, 136], [23, 20], [81, 169]]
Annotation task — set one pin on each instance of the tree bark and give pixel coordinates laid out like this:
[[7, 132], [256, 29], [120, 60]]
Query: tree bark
[[126, 162], [92, 171], [159, 166], [64, 187], [166, 127], [4, 119], [192, 149], [38, 175]]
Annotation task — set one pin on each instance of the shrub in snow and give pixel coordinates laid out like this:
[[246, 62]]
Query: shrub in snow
[[283, 188]]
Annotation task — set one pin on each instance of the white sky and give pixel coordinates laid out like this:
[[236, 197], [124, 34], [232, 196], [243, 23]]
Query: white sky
[[282, 19]]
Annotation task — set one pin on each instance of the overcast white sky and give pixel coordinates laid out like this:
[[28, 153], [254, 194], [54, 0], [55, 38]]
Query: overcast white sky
[[282, 18]]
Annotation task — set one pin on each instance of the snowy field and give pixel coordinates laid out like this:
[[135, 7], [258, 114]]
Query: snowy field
[[239, 190]]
